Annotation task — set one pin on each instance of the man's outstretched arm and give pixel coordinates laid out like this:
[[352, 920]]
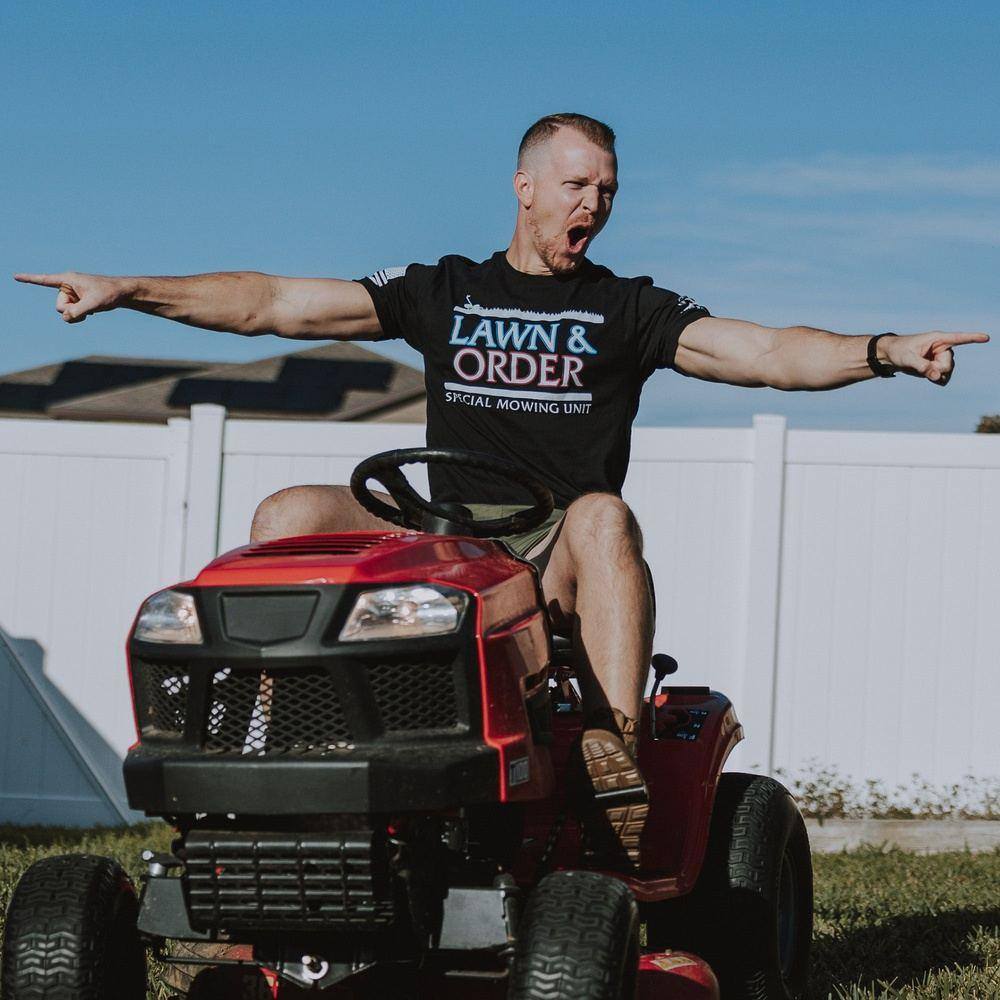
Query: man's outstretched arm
[[244, 302], [799, 357]]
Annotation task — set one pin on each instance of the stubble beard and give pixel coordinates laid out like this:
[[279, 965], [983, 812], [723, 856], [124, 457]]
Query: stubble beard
[[548, 250]]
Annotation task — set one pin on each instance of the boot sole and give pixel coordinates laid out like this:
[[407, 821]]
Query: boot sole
[[619, 791]]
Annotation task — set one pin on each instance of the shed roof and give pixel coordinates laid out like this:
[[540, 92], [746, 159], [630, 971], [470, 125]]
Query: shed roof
[[338, 381]]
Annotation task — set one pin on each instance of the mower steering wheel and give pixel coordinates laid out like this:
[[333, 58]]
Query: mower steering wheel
[[416, 512]]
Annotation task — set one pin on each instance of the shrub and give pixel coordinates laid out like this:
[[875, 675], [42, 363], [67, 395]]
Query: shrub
[[824, 793]]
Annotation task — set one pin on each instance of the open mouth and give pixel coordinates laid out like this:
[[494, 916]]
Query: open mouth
[[578, 238]]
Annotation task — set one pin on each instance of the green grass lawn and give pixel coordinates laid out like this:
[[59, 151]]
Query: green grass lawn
[[899, 925], [888, 925]]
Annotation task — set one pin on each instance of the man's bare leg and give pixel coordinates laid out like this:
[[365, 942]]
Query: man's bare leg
[[313, 510], [596, 588]]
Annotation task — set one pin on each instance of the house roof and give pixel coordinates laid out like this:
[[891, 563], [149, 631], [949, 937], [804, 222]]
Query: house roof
[[338, 381]]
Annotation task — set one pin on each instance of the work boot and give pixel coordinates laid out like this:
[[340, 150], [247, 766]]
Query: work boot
[[620, 803]]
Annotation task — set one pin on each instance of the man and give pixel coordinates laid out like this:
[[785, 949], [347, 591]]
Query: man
[[539, 355]]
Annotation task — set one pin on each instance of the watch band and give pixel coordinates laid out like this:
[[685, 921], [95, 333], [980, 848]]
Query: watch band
[[878, 367]]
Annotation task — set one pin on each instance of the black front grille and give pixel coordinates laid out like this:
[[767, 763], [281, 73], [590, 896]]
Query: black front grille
[[301, 711], [286, 881], [291, 712], [161, 694], [415, 696]]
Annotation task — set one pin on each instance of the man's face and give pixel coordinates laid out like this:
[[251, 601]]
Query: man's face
[[566, 187]]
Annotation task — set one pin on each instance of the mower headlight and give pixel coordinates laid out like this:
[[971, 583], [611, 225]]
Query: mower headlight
[[404, 613], [168, 616]]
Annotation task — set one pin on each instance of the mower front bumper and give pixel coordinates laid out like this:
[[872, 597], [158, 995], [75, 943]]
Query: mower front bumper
[[369, 779]]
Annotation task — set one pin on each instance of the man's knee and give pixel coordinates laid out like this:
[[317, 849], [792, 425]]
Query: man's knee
[[598, 522], [295, 510]]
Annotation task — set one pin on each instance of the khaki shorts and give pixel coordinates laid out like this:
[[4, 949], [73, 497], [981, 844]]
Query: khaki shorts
[[534, 545]]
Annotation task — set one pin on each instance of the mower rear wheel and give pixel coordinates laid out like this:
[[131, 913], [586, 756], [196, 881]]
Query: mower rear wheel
[[71, 933], [578, 940], [750, 915]]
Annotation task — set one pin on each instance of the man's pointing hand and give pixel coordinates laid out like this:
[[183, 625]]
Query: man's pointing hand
[[79, 294], [927, 355]]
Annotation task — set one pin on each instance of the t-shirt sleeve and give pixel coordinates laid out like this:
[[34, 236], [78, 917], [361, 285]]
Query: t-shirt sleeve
[[663, 315], [398, 294]]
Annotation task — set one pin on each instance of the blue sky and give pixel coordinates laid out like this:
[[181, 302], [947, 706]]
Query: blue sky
[[781, 163]]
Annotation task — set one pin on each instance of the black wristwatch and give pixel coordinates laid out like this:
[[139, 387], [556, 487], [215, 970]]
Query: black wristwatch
[[880, 369]]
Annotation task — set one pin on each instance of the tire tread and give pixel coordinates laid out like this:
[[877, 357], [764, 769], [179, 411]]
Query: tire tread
[[754, 820], [59, 932], [575, 929]]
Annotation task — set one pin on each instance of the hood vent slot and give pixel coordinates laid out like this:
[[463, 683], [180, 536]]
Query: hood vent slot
[[319, 545]]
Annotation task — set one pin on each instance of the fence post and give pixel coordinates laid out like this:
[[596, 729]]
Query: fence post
[[756, 708], [204, 485], [177, 498]]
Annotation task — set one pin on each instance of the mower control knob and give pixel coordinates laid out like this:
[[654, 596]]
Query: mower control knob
[[663, 664]]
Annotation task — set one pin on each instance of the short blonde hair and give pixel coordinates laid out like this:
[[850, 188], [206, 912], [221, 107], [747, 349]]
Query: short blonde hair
[[597, 132]]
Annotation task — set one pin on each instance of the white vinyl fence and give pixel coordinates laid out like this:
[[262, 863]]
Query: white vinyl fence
[[840, 587], [91, 520]]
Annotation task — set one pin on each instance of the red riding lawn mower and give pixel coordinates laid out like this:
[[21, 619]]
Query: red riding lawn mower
[[368, 745]]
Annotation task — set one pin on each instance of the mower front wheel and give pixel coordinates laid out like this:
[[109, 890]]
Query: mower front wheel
[[578, 940], [71, 933]]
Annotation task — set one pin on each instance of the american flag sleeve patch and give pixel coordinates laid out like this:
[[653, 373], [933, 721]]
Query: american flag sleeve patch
[[384, 275]]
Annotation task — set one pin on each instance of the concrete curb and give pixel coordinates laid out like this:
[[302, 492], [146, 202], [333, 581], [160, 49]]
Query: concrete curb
[[923, 836]]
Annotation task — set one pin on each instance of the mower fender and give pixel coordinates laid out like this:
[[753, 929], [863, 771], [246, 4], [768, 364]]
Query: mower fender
[[676, 975], [696, 729]]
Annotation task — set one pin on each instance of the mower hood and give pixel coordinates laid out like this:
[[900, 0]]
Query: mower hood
[[369, 557]]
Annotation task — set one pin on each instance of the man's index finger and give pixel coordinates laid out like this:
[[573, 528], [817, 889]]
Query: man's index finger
[[954, 339], [49, 280]]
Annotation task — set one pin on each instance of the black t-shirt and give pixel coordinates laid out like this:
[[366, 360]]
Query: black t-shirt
[[543, 370]]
